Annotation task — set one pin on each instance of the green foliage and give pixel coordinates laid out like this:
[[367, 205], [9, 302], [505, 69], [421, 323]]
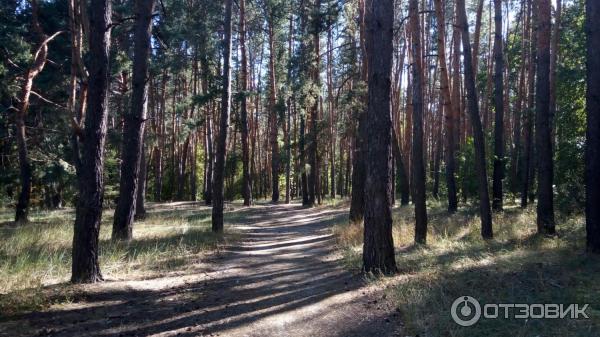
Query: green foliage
[[466, 178], [570, 119]]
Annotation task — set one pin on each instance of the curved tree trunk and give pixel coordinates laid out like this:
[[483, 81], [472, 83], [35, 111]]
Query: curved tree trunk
[[39, 61]]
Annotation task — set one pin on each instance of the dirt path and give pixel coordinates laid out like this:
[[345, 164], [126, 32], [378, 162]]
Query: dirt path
[[281, 279]]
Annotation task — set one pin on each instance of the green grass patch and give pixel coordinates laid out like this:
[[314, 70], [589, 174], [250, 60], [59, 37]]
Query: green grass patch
[[35, 259], [517, 266]]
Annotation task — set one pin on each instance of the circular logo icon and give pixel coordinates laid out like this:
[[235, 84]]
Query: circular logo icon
[[466, 311]]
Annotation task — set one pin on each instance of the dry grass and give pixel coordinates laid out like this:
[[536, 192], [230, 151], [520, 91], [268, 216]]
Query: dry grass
[[37, 256], [518, 266]]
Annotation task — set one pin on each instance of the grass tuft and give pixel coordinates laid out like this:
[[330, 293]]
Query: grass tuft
[[35, 259], [517, 266]]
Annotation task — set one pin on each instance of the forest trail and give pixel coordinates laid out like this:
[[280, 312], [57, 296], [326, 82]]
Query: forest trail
[[282, 278]]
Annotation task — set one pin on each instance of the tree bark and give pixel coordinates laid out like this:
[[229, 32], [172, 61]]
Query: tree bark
[[88, 214], [313, 174], [378, 249], [554, 48], [217, 188], [447, 107], [274, 119], [498, 175], [478, 138], [401, 170], [357, 199], [140, 200], [527, 157], [543, 133], [477, 36], [246, 182], [134, 124], [418, 167], [592, 149]]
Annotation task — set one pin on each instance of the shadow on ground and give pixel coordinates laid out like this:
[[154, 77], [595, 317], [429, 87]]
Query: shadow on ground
[[282, 278]]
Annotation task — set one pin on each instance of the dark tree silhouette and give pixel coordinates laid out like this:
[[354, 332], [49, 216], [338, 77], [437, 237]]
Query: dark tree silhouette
[[378, 249], [498, 175], [217, 186], [134, 122], [88, 214], [543, 133], [592, 150], [478, 138], [246, 183], [418, 167]]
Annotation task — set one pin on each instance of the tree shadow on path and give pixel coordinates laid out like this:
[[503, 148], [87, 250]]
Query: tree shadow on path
[[281, 279]]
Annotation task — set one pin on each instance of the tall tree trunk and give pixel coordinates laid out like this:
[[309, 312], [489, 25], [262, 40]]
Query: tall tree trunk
[[555, 49], [498, 175], [288, 139], [313, 162], [88, 214], [418, 168], [331, 109], [516, 160], [246, 182], [378, 249], [447, 107], [592, 148], [208, 194], [357, 202], [218, 193], [478, 138], [528, 155], [543, 133], [456, 113], [134, 122], [273, 115], [77, 101], [477, 36]]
